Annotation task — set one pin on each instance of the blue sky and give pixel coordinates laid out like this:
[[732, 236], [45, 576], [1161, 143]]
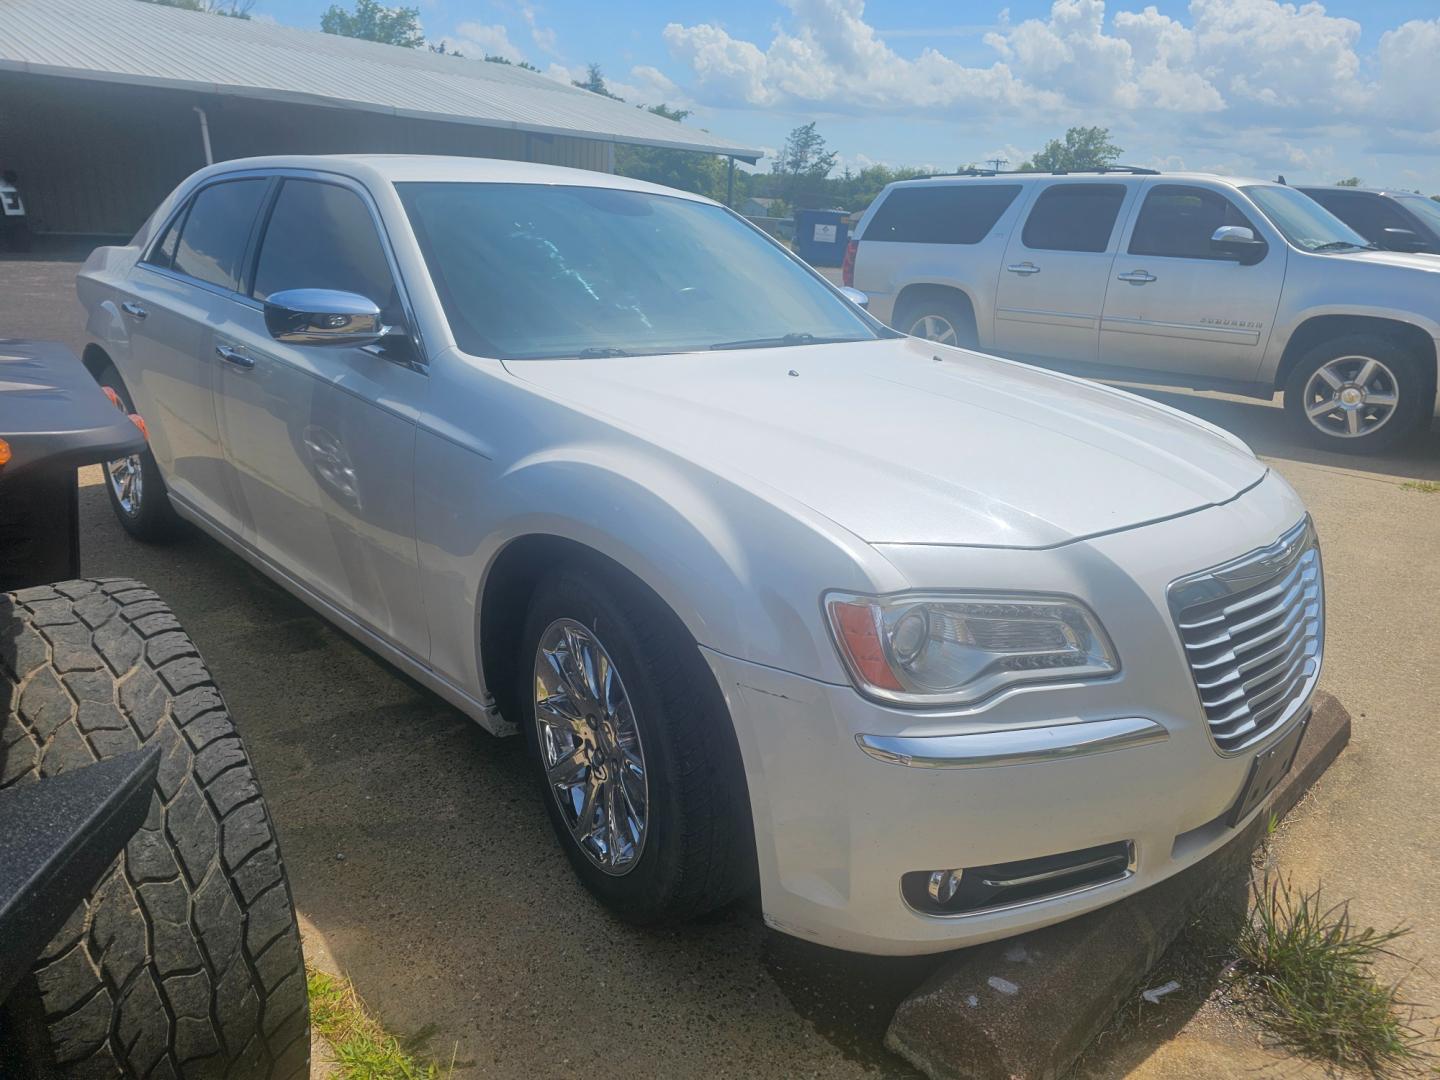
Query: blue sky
[[1315, 90]]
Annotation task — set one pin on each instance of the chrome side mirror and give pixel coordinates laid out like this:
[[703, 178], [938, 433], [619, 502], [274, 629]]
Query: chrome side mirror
[[1239, 243], [855, 296], [322, 317]]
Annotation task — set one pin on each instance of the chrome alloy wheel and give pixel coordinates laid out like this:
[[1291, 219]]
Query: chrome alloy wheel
[[935, 328], [590, 746], [1351, 396], [126, 481]]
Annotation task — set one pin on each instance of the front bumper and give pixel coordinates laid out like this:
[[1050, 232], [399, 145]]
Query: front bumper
[[849, 795]]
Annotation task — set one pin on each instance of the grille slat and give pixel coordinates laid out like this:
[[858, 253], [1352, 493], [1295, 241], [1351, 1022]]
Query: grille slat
[[1253, 631]]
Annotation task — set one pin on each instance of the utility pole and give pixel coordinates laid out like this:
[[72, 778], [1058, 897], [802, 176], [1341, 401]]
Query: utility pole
[[997, 163]]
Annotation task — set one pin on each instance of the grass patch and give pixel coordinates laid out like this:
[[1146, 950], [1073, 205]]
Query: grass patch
[[1307, 974], [1425, 487], [363, 1049]]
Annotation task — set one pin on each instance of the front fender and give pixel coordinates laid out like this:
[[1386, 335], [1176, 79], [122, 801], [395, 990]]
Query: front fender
[[743, 572]]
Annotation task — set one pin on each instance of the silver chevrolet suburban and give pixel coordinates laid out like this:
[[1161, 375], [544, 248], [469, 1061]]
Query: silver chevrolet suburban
[[1183, 279]]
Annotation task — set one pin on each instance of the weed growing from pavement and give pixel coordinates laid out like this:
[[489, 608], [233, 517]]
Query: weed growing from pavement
[[1306, 972], [1425, 487], [362, 1049]]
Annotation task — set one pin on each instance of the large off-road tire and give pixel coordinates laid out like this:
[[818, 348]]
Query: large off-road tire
[[1360, 394], [697, 850], [134, 484], [185, 959]]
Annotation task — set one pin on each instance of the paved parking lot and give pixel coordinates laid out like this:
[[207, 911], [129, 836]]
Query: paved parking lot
[[419, 850]]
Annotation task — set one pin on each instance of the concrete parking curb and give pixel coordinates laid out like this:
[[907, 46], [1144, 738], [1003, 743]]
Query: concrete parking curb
[[1027, 1006]]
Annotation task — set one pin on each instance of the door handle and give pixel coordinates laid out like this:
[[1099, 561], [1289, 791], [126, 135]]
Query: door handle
[[234, 356], [134, 310], [1024, 268], [1137, 277]]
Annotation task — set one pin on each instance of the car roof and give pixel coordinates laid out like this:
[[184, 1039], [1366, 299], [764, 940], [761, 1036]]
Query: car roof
[[402, 168], [1082, 175]]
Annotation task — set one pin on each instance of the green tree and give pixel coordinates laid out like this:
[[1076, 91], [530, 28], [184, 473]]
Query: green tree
[[492, 58], [373, 21], [235, 9], [1083, 148], [803, 166], [1349, 181], [595, 83], [688, 170]]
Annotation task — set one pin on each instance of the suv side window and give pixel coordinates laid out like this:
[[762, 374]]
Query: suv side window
[[321, 236], [216, 230], [1073, 217], [1369, 215], [1177, 221], [942, 214]]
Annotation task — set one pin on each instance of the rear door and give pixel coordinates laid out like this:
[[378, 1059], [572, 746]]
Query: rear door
[[1175, 306], [1052, 282], [183, 284], [322, 438]]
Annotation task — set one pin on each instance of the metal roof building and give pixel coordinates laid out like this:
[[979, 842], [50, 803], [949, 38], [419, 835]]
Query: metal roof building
[[106, 104]]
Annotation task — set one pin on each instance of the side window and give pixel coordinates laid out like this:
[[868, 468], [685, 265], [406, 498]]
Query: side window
[[1073, 217], [1369, 215], [942, 214], [321, 236], [212, 240], [163, 253], [1177, 221]]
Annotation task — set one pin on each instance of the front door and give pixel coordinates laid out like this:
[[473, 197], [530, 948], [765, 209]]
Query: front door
[[1174, 305], [322, 438], [1052, 280]]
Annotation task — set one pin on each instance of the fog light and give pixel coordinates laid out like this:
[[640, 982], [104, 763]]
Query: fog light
[[943, 885]]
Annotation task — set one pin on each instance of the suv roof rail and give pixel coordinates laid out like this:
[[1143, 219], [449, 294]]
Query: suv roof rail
[[1133, 170]]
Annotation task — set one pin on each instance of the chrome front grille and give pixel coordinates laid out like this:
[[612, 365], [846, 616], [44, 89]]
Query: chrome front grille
[[1254, 631]]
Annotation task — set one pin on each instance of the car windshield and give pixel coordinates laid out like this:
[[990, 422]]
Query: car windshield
[[530, 271], [1303, 221], [1427, 210]]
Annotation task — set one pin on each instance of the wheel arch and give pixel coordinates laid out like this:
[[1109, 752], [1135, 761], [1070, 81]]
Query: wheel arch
[[919, 291], [1319, 328], [96, 359]]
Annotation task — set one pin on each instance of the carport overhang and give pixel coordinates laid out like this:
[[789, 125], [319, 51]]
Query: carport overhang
[[261, 93]]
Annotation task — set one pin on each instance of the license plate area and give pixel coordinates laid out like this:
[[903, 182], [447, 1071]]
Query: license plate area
[[1267, 770]]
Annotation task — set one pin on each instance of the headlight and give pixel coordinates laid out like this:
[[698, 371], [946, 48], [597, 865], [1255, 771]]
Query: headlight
[[957, 648]]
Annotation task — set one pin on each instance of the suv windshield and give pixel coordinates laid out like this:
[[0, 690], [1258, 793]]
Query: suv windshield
[[1303, 221], [529, 271]]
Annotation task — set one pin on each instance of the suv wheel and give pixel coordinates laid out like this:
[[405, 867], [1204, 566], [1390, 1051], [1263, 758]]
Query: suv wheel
[[640, 771], [940, 319], [185, 959], [1358, 393], [137, 492]]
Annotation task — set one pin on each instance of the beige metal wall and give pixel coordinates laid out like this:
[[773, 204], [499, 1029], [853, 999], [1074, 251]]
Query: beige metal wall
[[96, 157]]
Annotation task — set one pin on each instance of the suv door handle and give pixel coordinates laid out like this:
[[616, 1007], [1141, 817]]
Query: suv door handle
[[134, 310], [234, 356], [1023, 268], [1137, 277]]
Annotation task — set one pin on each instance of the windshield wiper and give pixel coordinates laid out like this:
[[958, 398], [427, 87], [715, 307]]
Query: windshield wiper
[[599, 352], [1337, 245], [784, 339]]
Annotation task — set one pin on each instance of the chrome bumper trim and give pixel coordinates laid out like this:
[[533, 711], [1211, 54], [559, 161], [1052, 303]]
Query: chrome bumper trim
[[1018, 746]]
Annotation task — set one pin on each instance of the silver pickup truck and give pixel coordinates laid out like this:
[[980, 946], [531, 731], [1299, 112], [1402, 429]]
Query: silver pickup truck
[[1183, 279]]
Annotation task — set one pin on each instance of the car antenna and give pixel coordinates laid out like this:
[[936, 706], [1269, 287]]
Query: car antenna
[[1280, 179]]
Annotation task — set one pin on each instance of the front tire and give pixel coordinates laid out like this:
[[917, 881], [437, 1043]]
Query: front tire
[[634, 751], [135, 486], [1359, 393], [185, 958]]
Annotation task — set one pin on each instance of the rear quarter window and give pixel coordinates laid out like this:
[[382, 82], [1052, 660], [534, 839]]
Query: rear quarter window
[[943, 214]]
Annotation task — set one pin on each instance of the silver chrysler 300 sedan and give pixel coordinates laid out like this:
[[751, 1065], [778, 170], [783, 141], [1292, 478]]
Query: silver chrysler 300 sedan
[[937, 646]]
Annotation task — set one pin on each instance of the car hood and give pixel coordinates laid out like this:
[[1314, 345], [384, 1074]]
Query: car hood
[[901, 441], [1406, 260]]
